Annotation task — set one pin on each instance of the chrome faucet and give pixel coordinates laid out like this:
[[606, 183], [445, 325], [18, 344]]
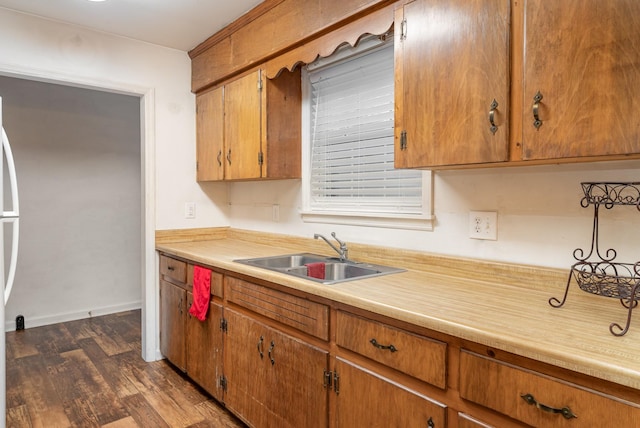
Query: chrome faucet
[[342, 251]]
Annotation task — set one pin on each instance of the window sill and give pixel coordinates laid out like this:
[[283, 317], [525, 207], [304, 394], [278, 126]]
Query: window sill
[[369, 220]]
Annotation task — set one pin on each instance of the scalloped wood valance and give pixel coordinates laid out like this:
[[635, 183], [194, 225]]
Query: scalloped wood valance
[[376, 23]]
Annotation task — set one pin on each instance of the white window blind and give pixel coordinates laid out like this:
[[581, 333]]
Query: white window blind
[[352, 129]]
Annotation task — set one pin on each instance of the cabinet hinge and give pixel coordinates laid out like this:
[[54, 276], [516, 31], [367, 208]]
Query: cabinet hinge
[[403, 29], [327, 379], [223, 382], [259, 80], [223, 325], [403, 140], [260, 158], [331, 380]]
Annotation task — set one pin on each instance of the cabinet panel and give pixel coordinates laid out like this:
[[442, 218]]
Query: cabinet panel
[[173, 269], [281, 125], [242, 110], [584, 58], [210, 135], [367, 399], [309, 317], [449, 70], [500, 386], [204, 349], [466, 421], [173, 308], [415, 355], [217, 281], [273, 380]]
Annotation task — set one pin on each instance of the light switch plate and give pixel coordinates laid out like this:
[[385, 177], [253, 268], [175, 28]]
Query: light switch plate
[[190, 210]]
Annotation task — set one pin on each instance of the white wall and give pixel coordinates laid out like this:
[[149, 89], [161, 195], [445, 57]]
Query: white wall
[[52, 51], [540, 220], [77, 153]]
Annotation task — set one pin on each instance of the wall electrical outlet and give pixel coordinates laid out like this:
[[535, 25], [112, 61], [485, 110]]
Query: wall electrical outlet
[[190, 210], [483, 225]]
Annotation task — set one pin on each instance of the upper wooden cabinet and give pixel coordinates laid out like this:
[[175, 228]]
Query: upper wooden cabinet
[[250, 128], [210, 135], [568, 91], [452, 81], [583, 57]]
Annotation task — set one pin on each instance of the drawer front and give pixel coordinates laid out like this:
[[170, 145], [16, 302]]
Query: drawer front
[[173, 269], [216, 281], [417, 356], [309, 317], [501, 387], [466, 421]]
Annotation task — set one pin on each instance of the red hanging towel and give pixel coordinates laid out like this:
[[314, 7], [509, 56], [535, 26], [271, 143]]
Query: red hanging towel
[[201, 292], [316, 270]]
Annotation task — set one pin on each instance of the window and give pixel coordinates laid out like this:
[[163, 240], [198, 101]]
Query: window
[[348, 131]]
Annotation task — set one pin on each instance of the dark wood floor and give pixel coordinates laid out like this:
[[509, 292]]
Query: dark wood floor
[[89, 373]]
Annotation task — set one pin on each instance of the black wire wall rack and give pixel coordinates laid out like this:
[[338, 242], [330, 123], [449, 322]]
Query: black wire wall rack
[[597, 272]]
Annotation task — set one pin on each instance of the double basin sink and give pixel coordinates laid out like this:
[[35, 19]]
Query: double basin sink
[[333, 269]]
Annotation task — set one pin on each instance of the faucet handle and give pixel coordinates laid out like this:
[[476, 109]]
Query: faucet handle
[[342, 243]]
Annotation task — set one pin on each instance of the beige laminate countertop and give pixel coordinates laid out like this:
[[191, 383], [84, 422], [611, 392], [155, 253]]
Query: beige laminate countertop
[[513, 318]]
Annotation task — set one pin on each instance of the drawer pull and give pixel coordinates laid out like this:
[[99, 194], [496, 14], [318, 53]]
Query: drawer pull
[[536, 107], [492, 114], [375, 343], [271, 353], [171, 268], [260, 348], [565, 411]]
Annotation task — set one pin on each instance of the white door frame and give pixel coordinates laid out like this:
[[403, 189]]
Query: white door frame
[[150, 335]]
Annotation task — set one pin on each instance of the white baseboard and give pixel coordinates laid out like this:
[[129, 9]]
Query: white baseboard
[[10, 325]]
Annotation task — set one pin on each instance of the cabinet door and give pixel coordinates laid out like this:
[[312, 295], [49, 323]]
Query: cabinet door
[[204, 349], [172, 323], [273, 380], [366, 399], [242, 110], [210, 135], [452, 63], [583, 56]]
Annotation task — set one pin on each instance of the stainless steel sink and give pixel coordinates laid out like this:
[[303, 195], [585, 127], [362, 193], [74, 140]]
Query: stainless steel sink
[[335, 270]]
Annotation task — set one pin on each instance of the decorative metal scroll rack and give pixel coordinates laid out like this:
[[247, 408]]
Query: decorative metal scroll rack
[[597, 272]]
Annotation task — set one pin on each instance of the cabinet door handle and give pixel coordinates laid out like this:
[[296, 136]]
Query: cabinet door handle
[[492, 115], [430, 423], [180, 306], [219, 158], [260, 347], [273, 345], [229, 156], [536, 106], [375, 343], [565, 411]]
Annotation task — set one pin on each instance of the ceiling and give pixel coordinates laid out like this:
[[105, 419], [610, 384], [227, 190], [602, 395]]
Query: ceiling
[[178, 24]]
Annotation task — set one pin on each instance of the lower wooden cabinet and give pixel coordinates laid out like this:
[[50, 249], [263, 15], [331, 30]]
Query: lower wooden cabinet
[[290, 360], [204, 349], [173, 311], [367, 399], [537, 399], [273, 379]]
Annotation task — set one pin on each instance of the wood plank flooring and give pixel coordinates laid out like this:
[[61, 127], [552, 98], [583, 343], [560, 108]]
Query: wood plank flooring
[[90, 373]]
